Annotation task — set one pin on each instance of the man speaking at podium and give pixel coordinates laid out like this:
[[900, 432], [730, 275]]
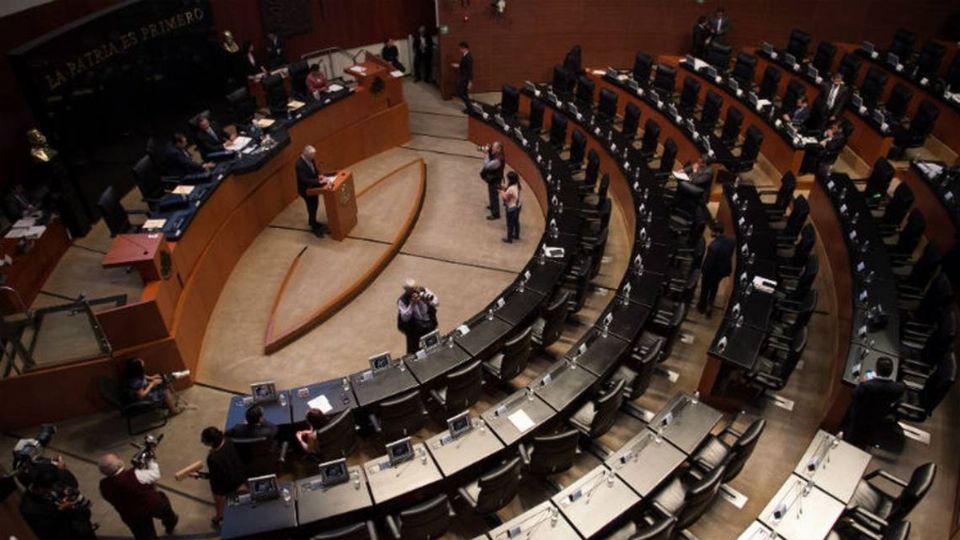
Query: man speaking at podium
[[308, 176]]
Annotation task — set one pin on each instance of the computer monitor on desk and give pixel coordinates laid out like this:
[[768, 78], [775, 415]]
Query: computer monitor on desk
[[430, 340], [379, 361], [399, 451], [264, 392], [334, 472], [264, 488]]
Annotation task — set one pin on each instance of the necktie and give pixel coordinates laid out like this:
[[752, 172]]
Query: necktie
[[212, 133]]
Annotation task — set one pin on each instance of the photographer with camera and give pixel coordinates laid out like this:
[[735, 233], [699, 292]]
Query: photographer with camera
[[492, 174], [134, 494], [53, 507], [138, 386], [416, 313]]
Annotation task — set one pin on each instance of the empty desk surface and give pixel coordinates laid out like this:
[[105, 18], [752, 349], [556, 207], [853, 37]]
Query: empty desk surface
[[388, 482], [628, 318], [645, 462], [542, 522], [685, 421], [316, 502], [273, 412], [595, 501], [446, 357], [470, 449], [601, 354], [544, 275], [808, 512], [519, 306], [371, 387], [241, 517], [834, 466], [522, 408], [485, 335], [743, 344], [338, 397], [757, 531], [562, 383]]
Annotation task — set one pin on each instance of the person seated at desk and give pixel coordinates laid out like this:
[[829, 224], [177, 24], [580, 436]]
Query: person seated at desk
[[316, 81], [139, 386], [17, 203], [254, 427], [210, 138], [391, 54], [699, 173], [825, 151], [177, 160], [225, 470], [800, 114], [275, 52], [308, 437], [873, 402]]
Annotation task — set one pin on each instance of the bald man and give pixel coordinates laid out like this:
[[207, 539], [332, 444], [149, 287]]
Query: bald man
[[133, 493], [308, 177]]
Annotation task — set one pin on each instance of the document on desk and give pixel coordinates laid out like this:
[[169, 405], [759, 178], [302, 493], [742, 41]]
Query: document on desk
[[396, 73], [182, 190], [154, 224], [680, 175], [17, 232], [521, 420], [264, 123], [294, 104], [809, 140], [334, 88], [321, 402], [239, 143], [764, 103], [698, 63], [25, 222]]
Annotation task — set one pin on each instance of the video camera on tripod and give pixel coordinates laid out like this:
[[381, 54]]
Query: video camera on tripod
[[31, 466], [147, 451]]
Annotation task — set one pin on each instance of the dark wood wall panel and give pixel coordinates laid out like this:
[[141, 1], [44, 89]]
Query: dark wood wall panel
[[533, 35]]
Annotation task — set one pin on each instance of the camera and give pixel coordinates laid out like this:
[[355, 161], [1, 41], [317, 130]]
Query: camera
[[28, 451], [483, 148], [147, 451], [66, 494], [175, 376]]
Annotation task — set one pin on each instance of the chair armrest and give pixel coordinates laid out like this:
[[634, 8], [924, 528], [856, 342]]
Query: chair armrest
[[375, 422], [661, 510], [524, 454], [886, 476], [465, 495], [873, 521], [282, 457], [139, 406], [393, 527], [436, 396]]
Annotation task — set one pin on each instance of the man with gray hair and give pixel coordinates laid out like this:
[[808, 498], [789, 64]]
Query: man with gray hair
[[309, 177], [416, 313], [133, 493]]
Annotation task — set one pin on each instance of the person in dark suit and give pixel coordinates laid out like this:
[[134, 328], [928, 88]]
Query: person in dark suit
[[210, 138], [276, 56], [177, 160], [699, 37], [254, 427], [716, 266], [422, 55], [800, 114], [700, 174], [835, 96], [873, 401], [825, 151], [226, 471], [464, 75], [308, 176], [391, 54], [719, 27], [250, 65]]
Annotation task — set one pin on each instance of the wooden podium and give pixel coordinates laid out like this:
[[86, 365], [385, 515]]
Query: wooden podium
[[147, 253], [340, 202]]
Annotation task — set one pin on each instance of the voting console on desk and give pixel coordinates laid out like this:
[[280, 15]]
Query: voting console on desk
[[599, 350], [596, 502], [328, 504], [542, 522], [834, 466], [428, 366], [645, 462], [486, 334], [562, 384], [244, 517], [800, 511], [517, 415], [391, 481], [373, 386]]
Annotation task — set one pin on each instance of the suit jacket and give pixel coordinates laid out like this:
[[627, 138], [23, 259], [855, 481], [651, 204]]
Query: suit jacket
[[465, 73], [800, 116], [275, 57], [843, 94], [14, 205], [701, 178], [207, 143], [307, 177], [717, 262], [719, 31], [248, 431], [390, 54], [699, 35], [177, 162], [424, 40], [873, 400]]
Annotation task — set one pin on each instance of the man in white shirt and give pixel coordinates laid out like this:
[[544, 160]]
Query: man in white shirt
[[133, 493]]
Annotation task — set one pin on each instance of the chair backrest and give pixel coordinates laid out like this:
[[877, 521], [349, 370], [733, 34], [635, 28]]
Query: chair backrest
[[849, 67], [899, 98], [536, 115], [337, 439], [147, 178], [662, 529], [788, 184], [109, 389], [872, 86], [242, 105], [258, 455], [801, 209], [939, 294], [509, 100], [718, 55], [700, 496], [645, 366], [770, 82], [606, 408], [931, 55], [585, 88], [113, 213], [554, 315], [558, 129], [752, 142], [690, 93], [651, 133], [276, 93], [607, 107], [804, 245], [953, 72], [642, 66], [298, 77], [603, 187], [669, 156], [794, 90], [925, 267], [665, 80], [925, 119], [911, 233], [631, 121], [880, 177], [902, 44], [363, 530], [920, 482], [593, 167], [429, 519], [578, 146], [499, 486], [554, 453], [516, 354], [464, 387], [744, 68], [823, 58], [797, 45], [711, 109], [560, 83], [939, 384], [897, 531], [731, 126], [402, 416], [899, 205], [743, 448]]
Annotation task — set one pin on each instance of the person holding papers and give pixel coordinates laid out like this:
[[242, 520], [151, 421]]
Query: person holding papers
[[177, 160], [309, 177]]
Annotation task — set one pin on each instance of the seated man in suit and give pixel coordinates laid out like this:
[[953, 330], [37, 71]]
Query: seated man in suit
[[700, 174], [873, 401], [825, 151], [177, 160], [391, 54], [254, 427], [210, 138], [800, 114]]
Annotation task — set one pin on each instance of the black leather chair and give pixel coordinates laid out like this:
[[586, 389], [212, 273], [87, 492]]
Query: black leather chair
[[667, 160], [242, 106], [878, 182], [730, 133], [535, 120], [892, 216], [876, 508], [512, 359], [710, 114], [898, 101], [424, 521], [902, 44], [928, 62], [259, 455], [363, 530], [276, 95], [631, 122], [848, 528], [651, 134], [823, 58], [549, 325], [872, 87], [908, 239], [777, 361], [298, 72], [563, 81], [769, 83], [642, 68], [399, 417], [921, 272], [148, 180], [495, 489], [718, 56], [792, 259], [592, 172], [790, 228], [744, 69], [607, 106], [462, 388], [509, 101], [917, 132], [798, 43], [687, 498], [922, 350], [337, 439], [849, 68], [550, 454], [637, 372], [597, 416], [111, 392], [918, 404], [664, 81], [783, 196], [689, 95], [795, 89], [731, 453], [114, 214], [749, 151], [578, 147], [584, 96], [558, 130]]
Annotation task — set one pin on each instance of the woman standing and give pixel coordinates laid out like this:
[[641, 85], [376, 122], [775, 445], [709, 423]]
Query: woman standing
[[511, 201]]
